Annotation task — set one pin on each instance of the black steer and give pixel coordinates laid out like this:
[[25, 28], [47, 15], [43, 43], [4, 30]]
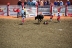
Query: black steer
[[39, 17]]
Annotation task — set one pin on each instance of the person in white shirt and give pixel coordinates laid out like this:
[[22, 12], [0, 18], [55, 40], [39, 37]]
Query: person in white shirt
[[61, 3]]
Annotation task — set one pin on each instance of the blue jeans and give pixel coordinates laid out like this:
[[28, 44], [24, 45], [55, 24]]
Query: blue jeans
[[22, 14], [18, 14]]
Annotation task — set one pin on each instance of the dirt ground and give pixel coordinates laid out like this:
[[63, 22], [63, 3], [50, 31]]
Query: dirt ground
[[33, 35], [45, 17]]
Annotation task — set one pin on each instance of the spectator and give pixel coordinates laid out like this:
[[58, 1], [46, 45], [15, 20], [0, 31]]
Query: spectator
[[34, 2], [48, 2], [58, 3], [41, 3], [28, 3], [25, 2], [45, 2], [38, 2], [68, 2], [55, 3], [19, 2], [61, 3]]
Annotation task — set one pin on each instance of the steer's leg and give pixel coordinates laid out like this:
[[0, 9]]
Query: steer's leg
[[38, 20]]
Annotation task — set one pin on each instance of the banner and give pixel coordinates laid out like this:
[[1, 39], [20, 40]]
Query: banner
[[12, 8], [3, 10], [69, 10], [44, 9], [61, 9], [31, 11]]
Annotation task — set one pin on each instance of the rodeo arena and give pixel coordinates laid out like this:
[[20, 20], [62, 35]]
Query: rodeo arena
[[36, 24]]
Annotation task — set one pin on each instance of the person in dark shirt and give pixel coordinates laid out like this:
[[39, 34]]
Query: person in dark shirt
[[58, 3], [19, 2], [45, 2], [28, 2], [25, 2], [55, 3], [48, 2], [68, 2]]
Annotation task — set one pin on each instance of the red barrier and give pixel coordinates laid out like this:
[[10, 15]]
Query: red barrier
[[22, 5], [8, 8], [66, 10], [37, 7], [51, 7], [69, 10]]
